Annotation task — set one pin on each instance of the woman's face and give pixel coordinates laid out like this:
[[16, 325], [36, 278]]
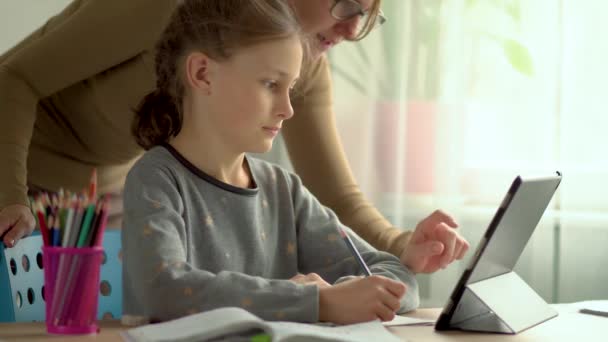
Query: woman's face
[[325, 30]]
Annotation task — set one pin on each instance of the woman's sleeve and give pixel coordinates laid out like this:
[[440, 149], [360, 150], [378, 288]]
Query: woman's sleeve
[[86, 38], [326, 171]]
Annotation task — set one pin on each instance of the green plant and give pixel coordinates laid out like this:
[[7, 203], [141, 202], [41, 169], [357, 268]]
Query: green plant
[[385, 59], [516, 53]]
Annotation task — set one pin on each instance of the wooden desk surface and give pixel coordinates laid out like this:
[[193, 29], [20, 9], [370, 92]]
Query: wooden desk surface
[[569, 326]]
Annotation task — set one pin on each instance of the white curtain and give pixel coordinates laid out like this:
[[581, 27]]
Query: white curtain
[[451, 99]]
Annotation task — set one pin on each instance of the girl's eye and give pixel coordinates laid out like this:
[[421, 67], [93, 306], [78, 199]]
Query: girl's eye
[[272, 85]]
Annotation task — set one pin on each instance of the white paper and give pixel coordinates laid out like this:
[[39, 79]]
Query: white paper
[[402, 320]]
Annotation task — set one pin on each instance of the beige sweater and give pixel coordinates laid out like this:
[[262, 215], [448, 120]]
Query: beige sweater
[[66, 97]]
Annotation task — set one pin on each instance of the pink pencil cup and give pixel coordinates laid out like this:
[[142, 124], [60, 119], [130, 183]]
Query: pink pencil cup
[[71, 287]]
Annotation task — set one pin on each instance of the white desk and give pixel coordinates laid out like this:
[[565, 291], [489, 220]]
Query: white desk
[[569, 326]]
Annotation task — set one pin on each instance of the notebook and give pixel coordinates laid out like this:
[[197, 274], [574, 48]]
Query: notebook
[[219, 323]]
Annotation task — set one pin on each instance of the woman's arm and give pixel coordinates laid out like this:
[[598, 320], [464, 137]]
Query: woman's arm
[[86, 38], [319, 159], [326, 172]]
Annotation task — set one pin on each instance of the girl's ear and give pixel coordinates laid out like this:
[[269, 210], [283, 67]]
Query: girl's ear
[[197, 72]]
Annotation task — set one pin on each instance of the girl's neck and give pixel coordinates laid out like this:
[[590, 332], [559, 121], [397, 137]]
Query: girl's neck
[[213, 158]]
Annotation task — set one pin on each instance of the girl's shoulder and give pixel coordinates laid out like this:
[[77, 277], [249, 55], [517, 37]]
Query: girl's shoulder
[[154, 161], [267, 174]]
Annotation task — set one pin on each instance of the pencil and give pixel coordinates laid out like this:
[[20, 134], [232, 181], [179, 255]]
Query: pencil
[[67, 233], [50, 222], [56, 231], [86, 225], [93, 185], [91, 234], [76, 223], [355, 252], [44, 230], [101, 224]]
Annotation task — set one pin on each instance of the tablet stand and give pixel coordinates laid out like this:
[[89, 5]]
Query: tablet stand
[[501, 304]]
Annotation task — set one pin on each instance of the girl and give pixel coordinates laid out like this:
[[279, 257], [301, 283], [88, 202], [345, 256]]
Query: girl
[[66, 97], [206, 226]]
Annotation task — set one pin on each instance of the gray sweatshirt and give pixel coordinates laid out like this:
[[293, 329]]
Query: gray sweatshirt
[[193, 243]]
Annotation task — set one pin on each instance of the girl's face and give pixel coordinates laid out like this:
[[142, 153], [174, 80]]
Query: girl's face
[[325, 30], [250, 94]]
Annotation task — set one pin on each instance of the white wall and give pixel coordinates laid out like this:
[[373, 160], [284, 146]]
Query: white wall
[[20, 17]]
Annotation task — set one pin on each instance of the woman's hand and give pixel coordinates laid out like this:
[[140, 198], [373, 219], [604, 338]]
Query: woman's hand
[[310, 278], [361, 300], [16, 221], [434, 244]]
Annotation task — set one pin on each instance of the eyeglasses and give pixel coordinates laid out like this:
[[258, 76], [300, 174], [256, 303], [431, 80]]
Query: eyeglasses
[[348, 9]]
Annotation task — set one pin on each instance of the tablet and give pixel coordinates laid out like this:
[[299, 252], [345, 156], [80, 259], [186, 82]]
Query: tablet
[[490, 296]]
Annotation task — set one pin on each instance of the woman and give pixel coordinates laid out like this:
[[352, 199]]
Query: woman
[[67, 93]]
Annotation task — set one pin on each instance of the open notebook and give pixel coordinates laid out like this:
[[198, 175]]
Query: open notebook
[[232, 322]]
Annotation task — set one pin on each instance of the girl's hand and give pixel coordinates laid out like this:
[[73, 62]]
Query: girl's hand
[[310, 278], [16, 221], [361, 300]]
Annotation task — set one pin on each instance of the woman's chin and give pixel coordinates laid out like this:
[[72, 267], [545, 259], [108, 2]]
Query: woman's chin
[[317, 52]]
